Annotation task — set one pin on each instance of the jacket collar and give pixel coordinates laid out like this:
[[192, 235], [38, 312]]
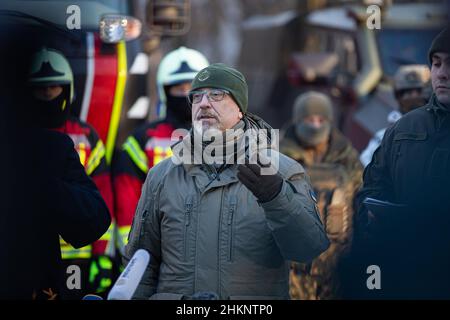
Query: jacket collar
[[338, 147], [436, 106]]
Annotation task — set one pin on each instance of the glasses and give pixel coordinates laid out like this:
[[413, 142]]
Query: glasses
[[213, 95]]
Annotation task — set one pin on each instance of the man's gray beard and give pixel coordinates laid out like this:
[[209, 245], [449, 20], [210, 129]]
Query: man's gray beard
[[200, 129]]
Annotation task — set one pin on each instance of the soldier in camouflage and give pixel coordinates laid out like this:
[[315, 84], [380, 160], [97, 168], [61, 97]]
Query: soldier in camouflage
[[335, 172]]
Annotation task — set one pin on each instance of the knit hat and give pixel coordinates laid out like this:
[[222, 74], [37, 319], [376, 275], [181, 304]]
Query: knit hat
[[220, 76], [441, 43], [312, 103]]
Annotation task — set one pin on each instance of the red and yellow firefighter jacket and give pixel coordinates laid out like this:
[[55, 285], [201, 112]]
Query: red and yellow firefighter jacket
[[91, 151]]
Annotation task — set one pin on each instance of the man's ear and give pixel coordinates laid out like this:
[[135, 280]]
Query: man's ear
[[240, 115]]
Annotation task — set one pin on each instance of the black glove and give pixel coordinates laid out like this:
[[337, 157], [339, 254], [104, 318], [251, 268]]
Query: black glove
[[264, 187]]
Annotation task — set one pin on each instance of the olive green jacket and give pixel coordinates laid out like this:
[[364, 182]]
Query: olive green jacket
[[208, 233]]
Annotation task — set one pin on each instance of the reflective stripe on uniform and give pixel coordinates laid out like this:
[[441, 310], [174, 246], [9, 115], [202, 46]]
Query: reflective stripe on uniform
[[123, 236], [108, 234], [95, 157], [161, 153], [69, 252], [109, 237], [131, 146]]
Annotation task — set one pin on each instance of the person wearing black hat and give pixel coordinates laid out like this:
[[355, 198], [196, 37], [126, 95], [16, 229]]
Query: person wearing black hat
[[219, 226], [411, 244]]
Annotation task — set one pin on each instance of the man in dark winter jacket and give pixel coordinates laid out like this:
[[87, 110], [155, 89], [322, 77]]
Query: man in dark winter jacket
[[335, 171], [411, 244]]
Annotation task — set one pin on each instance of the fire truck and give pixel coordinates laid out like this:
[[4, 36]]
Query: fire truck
[[108, 44]]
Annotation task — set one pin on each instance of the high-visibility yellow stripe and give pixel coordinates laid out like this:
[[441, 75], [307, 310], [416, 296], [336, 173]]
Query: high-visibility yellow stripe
[[123, 236], [105, 283], [76, 255], [131, 146], [95, 157], [118, 99], [82, 153], [69, 252], [161, 153], [108, 234], [105, 263]]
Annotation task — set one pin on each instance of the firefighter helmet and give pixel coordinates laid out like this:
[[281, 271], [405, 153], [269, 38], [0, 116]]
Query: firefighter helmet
[[50, 67], [178, 66]]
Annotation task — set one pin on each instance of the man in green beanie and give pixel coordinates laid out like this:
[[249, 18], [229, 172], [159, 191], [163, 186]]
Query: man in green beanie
[[335, 171], [412, 168], [223, 230]]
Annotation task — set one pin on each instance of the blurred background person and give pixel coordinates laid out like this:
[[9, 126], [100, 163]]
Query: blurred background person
[[412, 89], [335, 172], [45, 191], [150, 143], [52, 92]]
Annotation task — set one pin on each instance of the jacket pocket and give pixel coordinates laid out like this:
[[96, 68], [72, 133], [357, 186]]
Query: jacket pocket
[[231, 210], [404, 147], [188, 205], [414, 136]]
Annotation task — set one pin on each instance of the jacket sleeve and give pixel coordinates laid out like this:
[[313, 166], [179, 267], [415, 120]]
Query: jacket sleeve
[[294, 221], [145, 234], [377, 182], [81, 216], [130, 170], [99, 171]]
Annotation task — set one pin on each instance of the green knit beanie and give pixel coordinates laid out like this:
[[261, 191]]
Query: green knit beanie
[[220, 76], [440, 44]]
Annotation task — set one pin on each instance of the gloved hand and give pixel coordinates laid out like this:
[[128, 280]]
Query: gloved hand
[[264, 187], [101, 273]]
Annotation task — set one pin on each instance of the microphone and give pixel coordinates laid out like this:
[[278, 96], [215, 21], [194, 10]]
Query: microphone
[[129, 279], [92, 297]]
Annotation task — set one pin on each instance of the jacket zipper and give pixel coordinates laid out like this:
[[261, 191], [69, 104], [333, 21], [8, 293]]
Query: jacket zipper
[[230, 227], [187, 221], [219, 287]]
